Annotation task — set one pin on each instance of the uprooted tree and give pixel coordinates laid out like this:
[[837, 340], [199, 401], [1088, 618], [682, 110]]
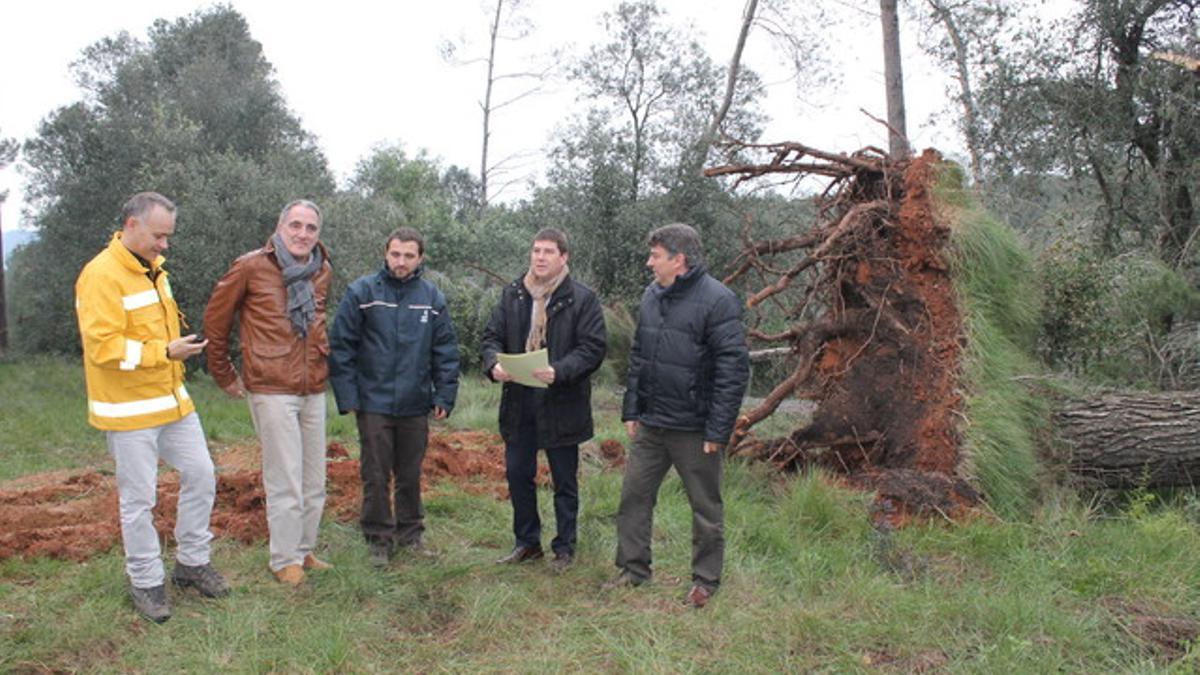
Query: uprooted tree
[[867, 303]]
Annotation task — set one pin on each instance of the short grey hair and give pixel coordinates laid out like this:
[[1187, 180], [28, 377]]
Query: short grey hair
[[142, 203], [301, 202], [678, 238]]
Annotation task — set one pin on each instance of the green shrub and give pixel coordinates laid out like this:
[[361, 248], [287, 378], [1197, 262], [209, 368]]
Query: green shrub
[[1106, 319]]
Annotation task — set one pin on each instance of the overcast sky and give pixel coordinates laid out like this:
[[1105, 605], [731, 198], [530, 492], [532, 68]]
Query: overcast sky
[[361, 73]]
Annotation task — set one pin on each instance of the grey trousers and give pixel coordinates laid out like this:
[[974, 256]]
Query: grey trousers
[[653, 452], [392, 451], [291, 430], [180, 444]]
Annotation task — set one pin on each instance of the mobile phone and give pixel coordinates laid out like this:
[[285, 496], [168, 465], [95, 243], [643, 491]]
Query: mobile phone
[[199, 337]]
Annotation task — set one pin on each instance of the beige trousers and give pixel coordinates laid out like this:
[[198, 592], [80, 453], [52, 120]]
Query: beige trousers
[[292, 432]]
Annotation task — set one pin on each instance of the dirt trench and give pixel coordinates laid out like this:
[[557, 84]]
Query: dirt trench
[[74, 515]]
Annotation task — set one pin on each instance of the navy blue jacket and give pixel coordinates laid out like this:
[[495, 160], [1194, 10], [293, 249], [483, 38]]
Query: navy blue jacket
[[392, 348], [689, 364], [576, 342]]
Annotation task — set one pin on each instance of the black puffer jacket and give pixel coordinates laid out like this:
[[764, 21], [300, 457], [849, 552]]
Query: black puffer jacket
[[689, 365], [576, 342]]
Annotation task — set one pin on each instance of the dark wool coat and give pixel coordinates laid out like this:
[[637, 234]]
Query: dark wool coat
[[576, 342]]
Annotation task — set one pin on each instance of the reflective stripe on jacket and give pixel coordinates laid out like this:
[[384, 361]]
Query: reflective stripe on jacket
[[394, 350], [125, 322]]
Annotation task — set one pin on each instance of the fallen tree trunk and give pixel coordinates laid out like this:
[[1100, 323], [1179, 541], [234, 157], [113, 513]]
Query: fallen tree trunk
[[1132, 439]]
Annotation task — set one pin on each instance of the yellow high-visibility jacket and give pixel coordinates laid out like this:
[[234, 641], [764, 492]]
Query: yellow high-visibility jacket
[[126, 321]]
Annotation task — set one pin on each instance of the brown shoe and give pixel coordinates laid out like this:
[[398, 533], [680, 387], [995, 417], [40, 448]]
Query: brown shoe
[[697, 597], [291, 575], [312, 562], [522, 554]]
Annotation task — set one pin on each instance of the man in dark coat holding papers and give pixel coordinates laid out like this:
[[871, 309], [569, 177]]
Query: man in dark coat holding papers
[[546, 309]]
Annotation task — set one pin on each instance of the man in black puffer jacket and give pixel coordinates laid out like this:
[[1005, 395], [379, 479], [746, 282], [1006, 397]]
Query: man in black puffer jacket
[[688, 370], [548, 309], [393, 362]]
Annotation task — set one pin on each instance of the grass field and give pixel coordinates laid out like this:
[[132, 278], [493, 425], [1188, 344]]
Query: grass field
[[809, 585]]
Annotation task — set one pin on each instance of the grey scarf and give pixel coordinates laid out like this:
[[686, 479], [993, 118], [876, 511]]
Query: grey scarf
[[297, 278]]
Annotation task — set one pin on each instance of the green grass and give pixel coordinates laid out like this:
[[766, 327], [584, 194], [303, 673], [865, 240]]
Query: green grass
[[994, 278], [809, 586]]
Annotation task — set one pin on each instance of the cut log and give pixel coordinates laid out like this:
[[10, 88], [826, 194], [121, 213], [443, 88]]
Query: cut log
[[1132, 439]]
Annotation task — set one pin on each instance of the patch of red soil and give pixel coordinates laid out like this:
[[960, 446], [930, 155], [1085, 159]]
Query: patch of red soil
[[613, 453], [74, 516]]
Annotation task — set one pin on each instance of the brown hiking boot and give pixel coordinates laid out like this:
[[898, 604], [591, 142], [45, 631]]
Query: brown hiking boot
[[697, 597], [291, 575], [312, 562]]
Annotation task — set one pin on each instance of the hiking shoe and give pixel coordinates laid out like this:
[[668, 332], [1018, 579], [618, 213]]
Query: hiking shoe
[[418, 549], [625, 579], [380, 553], [204, 578], [290, 575], [562, 561], [151, 602], [697, 597], [312, 562]]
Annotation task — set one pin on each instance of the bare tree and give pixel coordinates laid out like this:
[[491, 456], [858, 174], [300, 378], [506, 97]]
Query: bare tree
[[505, 24], [944, 14], [893, 80], [8, 152], [735, 66]]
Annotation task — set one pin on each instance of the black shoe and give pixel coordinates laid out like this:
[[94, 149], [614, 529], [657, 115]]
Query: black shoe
[[380, 553], [562, 561], [151, 602], [625, 579], [522, 554], [204, 578]]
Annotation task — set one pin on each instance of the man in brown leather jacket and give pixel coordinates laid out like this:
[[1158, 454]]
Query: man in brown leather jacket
[[279, 291]]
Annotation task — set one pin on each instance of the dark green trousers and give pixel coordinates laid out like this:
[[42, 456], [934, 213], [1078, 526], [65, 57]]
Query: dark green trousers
[[653, 452]]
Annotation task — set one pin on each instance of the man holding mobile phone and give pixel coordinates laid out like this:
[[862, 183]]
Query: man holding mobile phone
[[133, 363]]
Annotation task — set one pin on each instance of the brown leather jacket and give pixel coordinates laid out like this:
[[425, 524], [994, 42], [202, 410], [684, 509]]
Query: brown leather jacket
[[274, 359]]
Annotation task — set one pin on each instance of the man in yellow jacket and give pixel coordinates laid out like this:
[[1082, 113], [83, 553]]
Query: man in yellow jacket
[[133, 362]]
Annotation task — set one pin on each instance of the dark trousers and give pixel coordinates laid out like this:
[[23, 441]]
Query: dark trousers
[[520, 461], [653, 453], [392, 451]]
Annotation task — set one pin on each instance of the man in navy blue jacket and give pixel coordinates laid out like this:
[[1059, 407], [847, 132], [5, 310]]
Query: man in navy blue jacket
[[393, 362], [688, 370]]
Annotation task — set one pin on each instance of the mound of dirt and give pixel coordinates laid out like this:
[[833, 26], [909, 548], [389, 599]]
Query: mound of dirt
[[74, 515]]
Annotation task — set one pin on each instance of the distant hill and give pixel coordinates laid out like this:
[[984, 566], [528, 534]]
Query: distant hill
[[15, 238]]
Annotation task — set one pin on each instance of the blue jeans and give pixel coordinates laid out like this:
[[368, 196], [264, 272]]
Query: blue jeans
[[520, 460]]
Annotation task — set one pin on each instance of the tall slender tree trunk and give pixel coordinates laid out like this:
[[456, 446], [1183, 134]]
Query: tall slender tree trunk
[[487, 105], [966, 96], [3, 302], [731, 78], [893, 80]]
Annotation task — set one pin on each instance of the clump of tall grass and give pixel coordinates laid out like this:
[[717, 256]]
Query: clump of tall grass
[[1000, 304]]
